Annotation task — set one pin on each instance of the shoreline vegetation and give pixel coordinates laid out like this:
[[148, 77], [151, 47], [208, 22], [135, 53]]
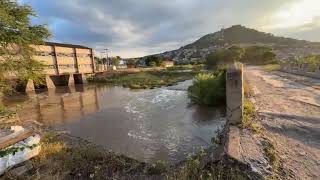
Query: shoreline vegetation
[[145, 80], [209, 89]]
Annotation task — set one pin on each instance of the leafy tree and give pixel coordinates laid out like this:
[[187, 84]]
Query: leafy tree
[[252, 55], [258, 55], [153, 61], [116, 60], [224, 56], [132, 62], [16, 36]]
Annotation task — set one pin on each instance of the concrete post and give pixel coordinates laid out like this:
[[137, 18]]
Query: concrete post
[[30, 86], [49, 82], [71, 80], [234, 93]]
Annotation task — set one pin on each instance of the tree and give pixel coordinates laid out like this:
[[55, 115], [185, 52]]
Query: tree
[[224, 56], [153, 61], [132, 63], [258, 55], [16, 37], [116, 60]]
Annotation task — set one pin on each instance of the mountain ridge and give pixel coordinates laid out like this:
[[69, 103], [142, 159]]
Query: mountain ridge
[[239, 35]]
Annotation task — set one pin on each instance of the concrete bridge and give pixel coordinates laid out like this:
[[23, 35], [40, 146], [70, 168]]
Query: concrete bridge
[[67, 64], [287, 104]]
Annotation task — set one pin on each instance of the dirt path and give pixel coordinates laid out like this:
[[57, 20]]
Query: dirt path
[[289, 107]]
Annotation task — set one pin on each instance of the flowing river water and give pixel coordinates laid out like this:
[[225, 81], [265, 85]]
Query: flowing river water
[[148, 125]]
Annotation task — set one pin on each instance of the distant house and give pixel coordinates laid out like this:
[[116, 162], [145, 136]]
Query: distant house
[[167, 63], [122, 64]]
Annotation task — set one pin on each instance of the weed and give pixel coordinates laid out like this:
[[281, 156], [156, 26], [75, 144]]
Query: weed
[[158, 167], [249, 116], [271, 67], [218, 138], [6, 113], [273, 159]]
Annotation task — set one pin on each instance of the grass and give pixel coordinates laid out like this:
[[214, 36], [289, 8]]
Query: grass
[[273, 159], [271, 67], [249, 116], [62, 158], [6, 113], [186, 67], [196, 168], [59, 159], [247, 89], [145, 80], [208, 89]]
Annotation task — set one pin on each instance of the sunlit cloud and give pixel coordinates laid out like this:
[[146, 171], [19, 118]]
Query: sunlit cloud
[[132, 28]]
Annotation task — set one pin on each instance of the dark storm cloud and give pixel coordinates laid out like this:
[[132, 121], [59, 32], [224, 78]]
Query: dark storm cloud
[[148, 26]]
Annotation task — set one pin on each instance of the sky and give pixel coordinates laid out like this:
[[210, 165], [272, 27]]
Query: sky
[[134, 28]]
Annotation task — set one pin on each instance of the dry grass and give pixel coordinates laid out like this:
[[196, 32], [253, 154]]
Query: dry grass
[[271, 67], [247, 89], [59, 159], [249, 117], [273, 159]]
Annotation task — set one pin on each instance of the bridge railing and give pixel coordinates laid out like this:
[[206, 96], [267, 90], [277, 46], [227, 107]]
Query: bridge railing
[[305, 69]]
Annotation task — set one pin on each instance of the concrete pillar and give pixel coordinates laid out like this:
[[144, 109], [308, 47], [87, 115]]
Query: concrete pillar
[[30, 86], [71, 80], [234, 93], [84, 79], [49, 82]]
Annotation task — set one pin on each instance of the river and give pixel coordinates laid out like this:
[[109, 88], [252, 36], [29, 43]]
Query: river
[[148, 125]]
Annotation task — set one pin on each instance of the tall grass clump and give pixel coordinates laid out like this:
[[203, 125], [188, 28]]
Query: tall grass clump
[[209, 89]]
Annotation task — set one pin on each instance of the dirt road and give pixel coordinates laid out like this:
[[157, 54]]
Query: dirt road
[[289, 107]]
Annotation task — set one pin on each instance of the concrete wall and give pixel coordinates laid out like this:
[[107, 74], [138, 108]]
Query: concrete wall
[[65, 60], [309, 70], [234, 107], [234, 93]]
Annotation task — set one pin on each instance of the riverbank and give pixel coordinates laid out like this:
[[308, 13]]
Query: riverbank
[[144, 80], [66, 157]]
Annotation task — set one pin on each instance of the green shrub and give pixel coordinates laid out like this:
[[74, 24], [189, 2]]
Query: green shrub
[[158, 167], [209, 89]]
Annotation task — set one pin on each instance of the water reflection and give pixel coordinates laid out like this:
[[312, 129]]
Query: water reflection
[[57, 106], [148, 125]]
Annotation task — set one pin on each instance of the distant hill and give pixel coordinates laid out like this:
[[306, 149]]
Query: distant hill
[[241, 36], [238, 34]]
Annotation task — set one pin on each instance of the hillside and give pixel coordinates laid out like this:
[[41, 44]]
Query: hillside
[[242, 36]]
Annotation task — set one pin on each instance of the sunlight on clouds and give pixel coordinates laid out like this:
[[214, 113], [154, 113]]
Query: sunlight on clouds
[[299, 13]]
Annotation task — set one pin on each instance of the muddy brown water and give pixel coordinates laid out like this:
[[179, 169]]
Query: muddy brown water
[[148, 125]]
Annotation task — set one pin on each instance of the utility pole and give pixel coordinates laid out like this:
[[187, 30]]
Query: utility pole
[[107, 59]]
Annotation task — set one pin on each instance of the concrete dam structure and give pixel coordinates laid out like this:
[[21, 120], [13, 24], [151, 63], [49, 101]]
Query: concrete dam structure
[[66, 64]]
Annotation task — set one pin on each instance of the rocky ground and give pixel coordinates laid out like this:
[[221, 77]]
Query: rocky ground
[[288, 107]]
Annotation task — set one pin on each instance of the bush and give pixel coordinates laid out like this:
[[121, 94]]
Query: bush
[[209, 89]]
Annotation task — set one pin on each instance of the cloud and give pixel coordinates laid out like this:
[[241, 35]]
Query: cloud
[[141, 27], [308, 31]]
